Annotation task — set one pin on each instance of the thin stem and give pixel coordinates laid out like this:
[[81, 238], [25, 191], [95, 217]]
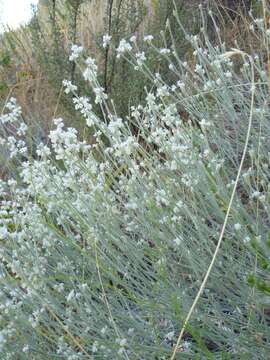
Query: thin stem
[[202, 287]]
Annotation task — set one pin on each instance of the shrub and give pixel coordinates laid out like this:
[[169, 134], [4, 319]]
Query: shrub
[[105, 245]]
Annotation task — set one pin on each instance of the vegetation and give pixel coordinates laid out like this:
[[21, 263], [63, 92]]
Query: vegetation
[[143, 234]]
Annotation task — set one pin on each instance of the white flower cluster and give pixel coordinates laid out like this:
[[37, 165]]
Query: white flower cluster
[[123, 47], [106, 40], [69, 87], [13, 114], [148, 38], [90, 73], [75, 52], [14, 129], [140, 58]]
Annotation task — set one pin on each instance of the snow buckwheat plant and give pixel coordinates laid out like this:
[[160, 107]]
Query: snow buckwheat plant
[[104, 246]]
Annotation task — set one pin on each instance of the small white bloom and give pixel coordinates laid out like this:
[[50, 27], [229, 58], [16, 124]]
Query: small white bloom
[[247, 173], [25, 348], [185, 346], [164, 51], [228, 74], [100, 95], [177, 241], [181, 85], [95, 347], [3, 232], [237, 226], [148, 38], [123, 47], [83, 287], [123, 342], [140, 58], [205, 123], [199, 69], [255, 194], [163, 91], [69, 87], [75, 52], [130, 331], [132, 206], [103, 330], [115, 125], [22, 129], [246, 239], [90, 73], [170, 335], [71, 295], [173, 165], [259, 22], [106, 40]]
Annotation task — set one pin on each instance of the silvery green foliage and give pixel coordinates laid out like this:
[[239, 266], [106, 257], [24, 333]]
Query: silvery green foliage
[[104, 245]]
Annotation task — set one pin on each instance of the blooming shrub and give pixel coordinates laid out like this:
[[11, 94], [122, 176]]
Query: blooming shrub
[[104, 245]]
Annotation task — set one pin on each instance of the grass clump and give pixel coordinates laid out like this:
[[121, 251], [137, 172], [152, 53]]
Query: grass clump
[[106, 244]]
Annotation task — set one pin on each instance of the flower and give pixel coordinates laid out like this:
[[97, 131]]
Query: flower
[[3, 233], [69, 87], [177, 241], [140, 58], [106, 40], [123, 47], [180, 84], [100, 95], [164, 51], [170, 335], [123, 342], [115, 125], [237, 226], [204, 123], [148, 38], [75, 52], [90, 73], [71, 295]]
